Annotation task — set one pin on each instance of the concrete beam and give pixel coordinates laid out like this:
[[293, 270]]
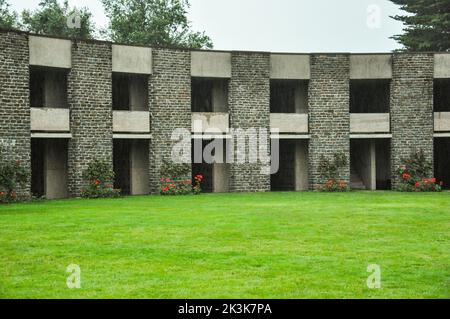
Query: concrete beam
[[289, 122], [131, 59], [131, 122], [369, 123], [49, 52], [442, 121], [371, 66], [290, 67], [442, 65], [50, 120], [211, 64]]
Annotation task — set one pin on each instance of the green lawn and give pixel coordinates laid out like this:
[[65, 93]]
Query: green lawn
[[273, 245]]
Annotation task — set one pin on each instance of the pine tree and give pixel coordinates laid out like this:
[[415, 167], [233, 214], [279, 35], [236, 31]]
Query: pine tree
[[427, 25]]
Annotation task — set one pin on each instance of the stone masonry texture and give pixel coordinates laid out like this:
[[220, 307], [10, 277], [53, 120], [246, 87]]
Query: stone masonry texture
[[249, 106], [170, 107], [90, 102], [411, 108], [15, 138], [329, 118]]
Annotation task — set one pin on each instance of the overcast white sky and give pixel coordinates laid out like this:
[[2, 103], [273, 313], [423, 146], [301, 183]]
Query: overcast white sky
[[283, 25]]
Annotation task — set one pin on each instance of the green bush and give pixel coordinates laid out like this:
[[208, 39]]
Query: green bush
[[12, 175], [100, 178]]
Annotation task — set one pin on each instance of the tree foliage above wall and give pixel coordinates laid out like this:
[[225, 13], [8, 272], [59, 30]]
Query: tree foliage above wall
[[52, 18], [153, 22], [8, 18], [427, 25]]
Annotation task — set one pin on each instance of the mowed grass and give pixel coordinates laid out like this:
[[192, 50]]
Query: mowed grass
[[272, 245]]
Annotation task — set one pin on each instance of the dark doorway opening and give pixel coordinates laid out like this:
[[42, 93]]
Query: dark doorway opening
[[37, 167], [121, 164], [442, 161]]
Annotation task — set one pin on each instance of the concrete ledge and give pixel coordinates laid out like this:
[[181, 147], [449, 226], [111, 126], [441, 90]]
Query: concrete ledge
[[132, 136], [210, 123], [290, 67], [51, 135], [290, 136], [369, 136], [211, 64], [210, 136], [131, 122], [442, 134], [50, 120], [56, 53], [289, 122], [369, 123], [442, 121], [372, 66], [130, 59], [442, 66]]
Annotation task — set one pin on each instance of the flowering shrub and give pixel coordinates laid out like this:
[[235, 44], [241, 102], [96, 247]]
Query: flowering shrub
[[414, 175], [175, 182], [330, 171], [335, 186], [12, 175], [181, 187], [100, 177]]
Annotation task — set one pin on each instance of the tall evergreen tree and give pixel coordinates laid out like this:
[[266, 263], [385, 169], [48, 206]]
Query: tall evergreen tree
[[8, 18], [51, 18], [152, 22], [427, 25]]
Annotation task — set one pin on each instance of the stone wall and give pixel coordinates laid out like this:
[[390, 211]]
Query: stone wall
[[15, 138], [329, 117], [90, 102], [170, 107], [249, 107], [411, 108]]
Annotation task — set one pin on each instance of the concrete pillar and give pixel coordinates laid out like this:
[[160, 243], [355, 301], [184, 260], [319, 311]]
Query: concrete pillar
[[55, 169], [220, 96], [301, 166], [301, 98], [220, 178], [373, 165], [55, 89], [138, 93], [139, 156]]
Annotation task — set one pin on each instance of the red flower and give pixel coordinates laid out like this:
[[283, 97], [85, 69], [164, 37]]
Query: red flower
[[417, 184], [406, 175]]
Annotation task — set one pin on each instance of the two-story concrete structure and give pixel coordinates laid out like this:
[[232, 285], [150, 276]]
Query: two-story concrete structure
[[64, 103]]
